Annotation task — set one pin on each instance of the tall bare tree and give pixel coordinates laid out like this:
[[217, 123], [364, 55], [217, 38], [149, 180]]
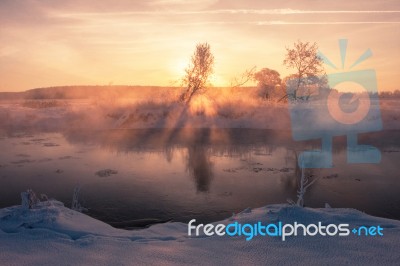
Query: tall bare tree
[[303, 57], [198, 72]]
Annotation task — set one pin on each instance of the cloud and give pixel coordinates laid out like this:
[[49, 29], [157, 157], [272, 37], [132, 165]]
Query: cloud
[[96, 39], [191, 4], [260, 23], [286, 11]]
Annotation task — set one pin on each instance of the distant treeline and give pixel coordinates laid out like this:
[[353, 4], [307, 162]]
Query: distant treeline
[[390, 94], [121, 91], [85, 92]]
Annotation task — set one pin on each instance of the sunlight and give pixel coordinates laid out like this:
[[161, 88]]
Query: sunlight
[[202, 105], [178, 66], [217, 81]]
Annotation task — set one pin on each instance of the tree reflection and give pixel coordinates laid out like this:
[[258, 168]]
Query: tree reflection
[[200, 167]]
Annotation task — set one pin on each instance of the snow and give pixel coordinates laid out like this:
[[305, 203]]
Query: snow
[[51, 234]]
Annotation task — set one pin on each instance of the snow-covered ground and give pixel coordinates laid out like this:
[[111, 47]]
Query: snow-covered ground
[[52, 234]]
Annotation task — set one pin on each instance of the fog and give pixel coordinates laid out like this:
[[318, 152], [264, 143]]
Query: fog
[[155, 107]]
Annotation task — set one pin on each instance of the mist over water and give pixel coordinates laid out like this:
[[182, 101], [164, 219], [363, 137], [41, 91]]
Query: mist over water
[[141, 159], [134, 177]]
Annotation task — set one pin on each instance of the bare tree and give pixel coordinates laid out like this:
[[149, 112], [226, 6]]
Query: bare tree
[[315, 86], [303, 57], [198, 72], [305, 179], [245, 77], [267, 80]]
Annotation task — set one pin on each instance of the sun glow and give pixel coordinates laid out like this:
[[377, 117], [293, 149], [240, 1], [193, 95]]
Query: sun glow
[[218, 81], [202, 105], [178, 66], [146, 44]]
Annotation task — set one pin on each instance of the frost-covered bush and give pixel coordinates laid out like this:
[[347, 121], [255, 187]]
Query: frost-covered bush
[[304, 182], [29, 199], [76, 206]]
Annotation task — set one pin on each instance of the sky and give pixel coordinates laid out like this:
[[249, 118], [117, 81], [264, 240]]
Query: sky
[[97, 42]]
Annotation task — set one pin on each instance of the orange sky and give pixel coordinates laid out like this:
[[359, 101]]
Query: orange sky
[[49, 43]]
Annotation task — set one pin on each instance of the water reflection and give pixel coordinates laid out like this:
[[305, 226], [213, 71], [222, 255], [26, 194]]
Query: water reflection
[[201, 144], [200, 167], [185, 173]]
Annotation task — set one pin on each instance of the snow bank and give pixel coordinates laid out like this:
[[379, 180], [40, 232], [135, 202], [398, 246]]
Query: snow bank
[[51, 234]]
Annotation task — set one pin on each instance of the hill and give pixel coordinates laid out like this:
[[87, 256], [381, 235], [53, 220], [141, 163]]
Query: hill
[[85, 92]]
